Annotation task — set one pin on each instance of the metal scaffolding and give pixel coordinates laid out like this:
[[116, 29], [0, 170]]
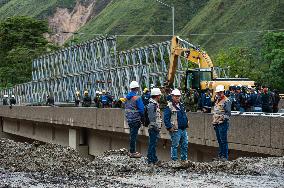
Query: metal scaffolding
[[96, 65]]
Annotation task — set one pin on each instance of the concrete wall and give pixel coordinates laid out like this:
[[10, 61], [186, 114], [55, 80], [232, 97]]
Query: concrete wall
[[263, 135]]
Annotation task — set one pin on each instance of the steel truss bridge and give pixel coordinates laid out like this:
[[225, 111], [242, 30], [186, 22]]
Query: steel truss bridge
[[96, 65]]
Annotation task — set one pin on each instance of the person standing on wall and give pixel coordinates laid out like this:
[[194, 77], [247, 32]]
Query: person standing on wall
[[221, 117], [134, 111]]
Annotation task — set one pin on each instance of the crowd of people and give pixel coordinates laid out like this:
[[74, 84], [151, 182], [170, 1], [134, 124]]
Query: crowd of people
[[243, 98]]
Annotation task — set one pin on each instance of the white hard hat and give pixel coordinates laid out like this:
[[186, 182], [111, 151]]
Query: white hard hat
[[13, 96], [5, 95], [155, 92], [176, 92], [134, 84], [100, 93], [104, 91], [97, 92], [220, 88], [152, 85]]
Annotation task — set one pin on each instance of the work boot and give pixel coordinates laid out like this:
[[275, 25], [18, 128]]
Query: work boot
[[135, 155], [158, 163]]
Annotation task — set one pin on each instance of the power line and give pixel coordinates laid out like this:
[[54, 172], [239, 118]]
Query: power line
[[190, 34]]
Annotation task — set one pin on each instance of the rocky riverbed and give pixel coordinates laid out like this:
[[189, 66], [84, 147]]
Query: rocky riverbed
[[50, 165]]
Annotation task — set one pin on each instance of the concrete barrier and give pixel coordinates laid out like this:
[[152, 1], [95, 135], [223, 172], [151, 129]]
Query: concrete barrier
[[259, 134]]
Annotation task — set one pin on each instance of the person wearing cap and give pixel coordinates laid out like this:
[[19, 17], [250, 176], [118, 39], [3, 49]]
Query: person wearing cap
[[87, 101], [221, 117], [155, 119], [176, 122], [134, 111], [105, 99], [5, 100], [267, 100], [206, 103], [238, 94], [146, 96]]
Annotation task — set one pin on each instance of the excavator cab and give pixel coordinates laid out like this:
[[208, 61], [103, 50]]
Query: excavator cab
[[194, 78]]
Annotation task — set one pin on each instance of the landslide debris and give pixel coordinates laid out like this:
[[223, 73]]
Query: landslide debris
[[55, 165]]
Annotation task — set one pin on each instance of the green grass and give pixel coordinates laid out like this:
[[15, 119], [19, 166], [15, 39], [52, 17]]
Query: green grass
[[143, 17], [33, 8], [140, 17], [226, 16]]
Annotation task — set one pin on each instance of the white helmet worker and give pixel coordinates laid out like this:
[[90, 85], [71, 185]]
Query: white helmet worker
[[155, 92], [13, 96], [97, 92], [6, 96], [176, 92], [220, 88], [134, 84]]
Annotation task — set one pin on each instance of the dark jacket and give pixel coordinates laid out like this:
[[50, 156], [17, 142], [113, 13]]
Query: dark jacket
[[87, 101], [181, 117]]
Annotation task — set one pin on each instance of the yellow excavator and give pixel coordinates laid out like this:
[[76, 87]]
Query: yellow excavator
[[199, 78]]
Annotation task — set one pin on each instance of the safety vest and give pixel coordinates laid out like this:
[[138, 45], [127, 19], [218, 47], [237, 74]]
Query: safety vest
[[219, 111], [174, 119]]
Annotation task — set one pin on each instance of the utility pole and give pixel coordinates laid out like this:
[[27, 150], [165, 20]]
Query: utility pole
[[173, 13]]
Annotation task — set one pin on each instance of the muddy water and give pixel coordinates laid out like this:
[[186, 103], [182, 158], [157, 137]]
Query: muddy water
[[48, 165]]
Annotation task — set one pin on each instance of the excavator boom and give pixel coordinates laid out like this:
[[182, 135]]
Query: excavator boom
[[192, 54]]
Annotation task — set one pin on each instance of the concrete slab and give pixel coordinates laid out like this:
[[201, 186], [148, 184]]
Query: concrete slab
[[10, 125], [43, 132], [277, 133], [196, 125]]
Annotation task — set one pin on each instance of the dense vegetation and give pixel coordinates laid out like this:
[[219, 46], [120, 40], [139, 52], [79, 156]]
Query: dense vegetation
[[232, 32], [21, 40]]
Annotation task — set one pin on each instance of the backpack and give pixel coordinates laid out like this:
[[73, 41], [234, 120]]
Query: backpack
[[146, 121]]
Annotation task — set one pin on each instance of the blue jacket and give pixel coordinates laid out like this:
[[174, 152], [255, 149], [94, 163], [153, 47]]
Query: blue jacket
[[139, 103], [181, 117], [205, 100]]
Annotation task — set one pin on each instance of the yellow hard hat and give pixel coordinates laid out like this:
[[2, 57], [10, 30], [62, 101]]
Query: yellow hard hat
[[123, 100], [145, 90], [86, 92], [77, 93]]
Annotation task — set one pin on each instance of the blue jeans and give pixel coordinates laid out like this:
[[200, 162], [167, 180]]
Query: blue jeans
[[176, 138], [222, 137], [153, 139], [134, 128]]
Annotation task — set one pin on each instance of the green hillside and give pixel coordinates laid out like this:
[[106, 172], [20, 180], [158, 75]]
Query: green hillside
[[144, 17], [226, 16], [141, 17], [33, 8]]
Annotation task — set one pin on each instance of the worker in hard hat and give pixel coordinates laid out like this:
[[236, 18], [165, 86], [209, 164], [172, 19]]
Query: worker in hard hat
[[49, 100], [97, 99], [221, 117], [134, 111], [12, 101], [87, 101], [146, 96], [153, 112], [5, 100], [176, 122], [77, 98]]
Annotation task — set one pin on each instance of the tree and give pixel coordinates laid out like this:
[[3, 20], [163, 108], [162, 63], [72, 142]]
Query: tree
[[273, 56], [21, 40], [239, 61]]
